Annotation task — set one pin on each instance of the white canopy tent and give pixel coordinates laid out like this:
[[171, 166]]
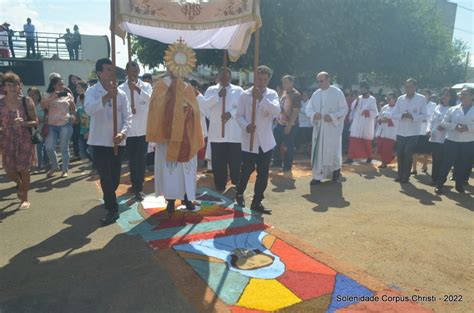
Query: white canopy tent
[[202, 24], [211, 24]]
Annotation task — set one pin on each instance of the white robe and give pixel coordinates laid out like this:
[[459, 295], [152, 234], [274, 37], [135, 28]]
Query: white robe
[[174, 179], [363, 127], [383, 130], [326, 155]]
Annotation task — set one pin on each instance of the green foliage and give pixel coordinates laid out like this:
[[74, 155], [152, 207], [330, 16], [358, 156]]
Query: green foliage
[[388, 40]]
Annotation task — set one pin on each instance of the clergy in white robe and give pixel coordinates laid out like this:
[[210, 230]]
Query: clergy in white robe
[[364, 112], [226, 152], [174, 124], [386, 132], [327, 109]]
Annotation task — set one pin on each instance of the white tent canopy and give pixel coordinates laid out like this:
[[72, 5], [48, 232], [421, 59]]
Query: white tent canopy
[[211, 24]]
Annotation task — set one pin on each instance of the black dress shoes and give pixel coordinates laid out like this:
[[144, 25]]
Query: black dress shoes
[[315, 182], [170, 206], [259, 208], [348, 161], [439, 190], [139, 196], [189, 205], [459, 188], [110, 218], [240, 200]]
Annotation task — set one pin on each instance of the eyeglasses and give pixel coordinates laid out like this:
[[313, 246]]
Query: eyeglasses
[[321, 81]]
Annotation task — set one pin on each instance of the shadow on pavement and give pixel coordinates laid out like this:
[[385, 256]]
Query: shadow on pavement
[[123, 276], [327, 195]]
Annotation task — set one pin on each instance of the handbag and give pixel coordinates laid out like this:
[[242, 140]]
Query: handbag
[[36, 137]]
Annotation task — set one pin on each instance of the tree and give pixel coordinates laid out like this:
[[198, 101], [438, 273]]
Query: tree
[[389, 40]]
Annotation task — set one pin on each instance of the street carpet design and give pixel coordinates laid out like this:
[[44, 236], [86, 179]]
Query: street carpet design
[[246, 267]]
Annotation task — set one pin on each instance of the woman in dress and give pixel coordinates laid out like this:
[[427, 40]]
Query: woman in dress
[[17, 118]]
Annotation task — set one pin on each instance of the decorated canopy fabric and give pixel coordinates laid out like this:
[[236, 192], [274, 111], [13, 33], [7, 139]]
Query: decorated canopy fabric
[[211, 24]]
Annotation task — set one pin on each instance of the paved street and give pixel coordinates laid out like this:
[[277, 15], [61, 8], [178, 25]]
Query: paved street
[[55, 258]]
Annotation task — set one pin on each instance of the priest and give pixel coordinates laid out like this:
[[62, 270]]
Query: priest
[[327, 109], [174, 125]]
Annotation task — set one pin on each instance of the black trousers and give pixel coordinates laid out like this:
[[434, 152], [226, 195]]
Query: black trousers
[[405, 148], [461, 156], [437, 157], [261, 162], [76, 132], [30, 46], [137, 148], [289, 142], [226, 155], [109, 167]]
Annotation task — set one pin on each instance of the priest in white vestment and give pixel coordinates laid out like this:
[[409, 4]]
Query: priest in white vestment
[[327, 109], [363, 114], [174, 124]]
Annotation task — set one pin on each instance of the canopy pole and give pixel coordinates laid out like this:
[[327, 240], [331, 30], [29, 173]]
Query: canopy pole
[[223, 98], [114, 79], [132, 97], [254, 100]]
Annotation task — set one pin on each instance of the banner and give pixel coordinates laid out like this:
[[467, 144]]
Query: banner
[[211, 24]]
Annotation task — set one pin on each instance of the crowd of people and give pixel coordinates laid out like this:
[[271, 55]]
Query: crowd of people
[[182, 124], [7, 47]]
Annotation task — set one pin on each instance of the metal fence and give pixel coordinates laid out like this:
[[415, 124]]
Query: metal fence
[[47, 46]]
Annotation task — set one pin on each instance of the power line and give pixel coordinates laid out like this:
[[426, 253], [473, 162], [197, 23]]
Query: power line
[[465, 8], [463, 30]]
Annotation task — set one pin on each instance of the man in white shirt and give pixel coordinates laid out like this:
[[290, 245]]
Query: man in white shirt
[[226, 150], [260, 155], [327, 110], [137, 147], [29, 30], [364, 112], [459, 143], [410, 111], [98, 105]]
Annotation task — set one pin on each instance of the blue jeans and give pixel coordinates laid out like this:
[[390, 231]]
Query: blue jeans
[[43, 159], [64, 134], [84, 150]]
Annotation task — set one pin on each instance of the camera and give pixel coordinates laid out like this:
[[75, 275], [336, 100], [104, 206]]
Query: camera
[[62, 94]]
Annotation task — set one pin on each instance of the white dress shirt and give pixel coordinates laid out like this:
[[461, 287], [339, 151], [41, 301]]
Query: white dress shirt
[[416, 106], [212, 104], [434, 121], [454, 116], [267, 109], [142, 103], [101, 124]]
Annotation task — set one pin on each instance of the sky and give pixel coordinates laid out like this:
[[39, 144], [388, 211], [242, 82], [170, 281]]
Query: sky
[[93, 18]]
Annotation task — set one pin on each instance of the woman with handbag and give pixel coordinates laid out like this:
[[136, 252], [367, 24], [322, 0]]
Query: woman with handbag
[[42, 157], [61, 115], [17, 118]]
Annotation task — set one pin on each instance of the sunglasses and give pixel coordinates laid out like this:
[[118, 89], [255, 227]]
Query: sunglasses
[[321, 81]]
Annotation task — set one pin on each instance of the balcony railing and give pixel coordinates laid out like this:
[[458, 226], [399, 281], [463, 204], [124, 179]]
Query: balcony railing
[[47, 46]]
